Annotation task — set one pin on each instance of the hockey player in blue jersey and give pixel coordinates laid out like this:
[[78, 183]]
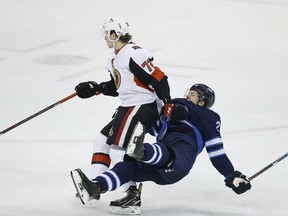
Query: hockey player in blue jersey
[[172, 157]]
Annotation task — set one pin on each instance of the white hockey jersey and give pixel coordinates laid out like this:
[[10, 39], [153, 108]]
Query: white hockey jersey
[[131, 90]]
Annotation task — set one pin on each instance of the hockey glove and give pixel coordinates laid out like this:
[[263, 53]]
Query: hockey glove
[[238, 182], [168, 109], [176, 113], [87, 89]]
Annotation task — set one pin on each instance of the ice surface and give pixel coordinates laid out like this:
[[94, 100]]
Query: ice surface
[[238, 47]]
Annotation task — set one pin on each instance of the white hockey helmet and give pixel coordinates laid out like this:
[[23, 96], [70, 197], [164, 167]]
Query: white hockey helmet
[[118, 24]]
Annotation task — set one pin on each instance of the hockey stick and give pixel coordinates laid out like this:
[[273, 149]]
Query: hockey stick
[[268, 166], [38, 113]]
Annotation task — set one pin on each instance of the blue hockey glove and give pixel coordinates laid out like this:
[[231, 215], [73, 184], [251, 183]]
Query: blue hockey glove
[[238, 182]]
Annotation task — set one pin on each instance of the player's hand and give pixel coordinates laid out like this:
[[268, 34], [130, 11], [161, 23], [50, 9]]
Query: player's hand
[[176, 112], [168, 109], [238, 182], [87, 89]]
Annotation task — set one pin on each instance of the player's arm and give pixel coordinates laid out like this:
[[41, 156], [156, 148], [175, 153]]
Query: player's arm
[[148, 74], [233, 179], [109, 88], [218, 157], [90, 88]]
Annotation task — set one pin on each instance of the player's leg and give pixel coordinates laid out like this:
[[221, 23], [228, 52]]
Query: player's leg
[[100, 161], [124, 126], [118, 138]]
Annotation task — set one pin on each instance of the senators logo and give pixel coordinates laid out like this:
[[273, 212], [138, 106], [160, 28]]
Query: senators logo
[[117, 77]]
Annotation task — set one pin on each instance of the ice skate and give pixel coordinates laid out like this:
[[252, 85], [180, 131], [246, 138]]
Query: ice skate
[[87, 191], [130, 204]]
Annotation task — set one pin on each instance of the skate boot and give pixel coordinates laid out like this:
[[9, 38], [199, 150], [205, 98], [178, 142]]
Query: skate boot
[[130, 204], [87, 191], [135, 146]]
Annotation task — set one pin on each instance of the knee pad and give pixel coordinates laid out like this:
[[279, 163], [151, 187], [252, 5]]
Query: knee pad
[[100, 145], [116, 154]]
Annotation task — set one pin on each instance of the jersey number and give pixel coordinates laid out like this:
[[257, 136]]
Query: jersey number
[[148, 64]]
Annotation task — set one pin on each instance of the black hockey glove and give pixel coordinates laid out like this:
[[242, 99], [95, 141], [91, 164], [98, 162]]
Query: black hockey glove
[[87, 89], [176, 112], [179, 112], [238, 182]]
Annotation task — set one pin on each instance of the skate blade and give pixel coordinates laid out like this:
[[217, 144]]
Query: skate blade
[[82, 193], [131, 210], [90, 203]]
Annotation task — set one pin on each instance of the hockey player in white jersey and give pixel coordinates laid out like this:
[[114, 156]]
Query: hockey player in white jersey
[[140, 86]]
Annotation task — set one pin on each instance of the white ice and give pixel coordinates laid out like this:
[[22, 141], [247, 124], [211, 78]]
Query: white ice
[[238, 47]]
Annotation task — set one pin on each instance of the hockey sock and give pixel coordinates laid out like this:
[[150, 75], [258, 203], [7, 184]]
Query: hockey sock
[[156, 154], [118, 175], [100, 159]]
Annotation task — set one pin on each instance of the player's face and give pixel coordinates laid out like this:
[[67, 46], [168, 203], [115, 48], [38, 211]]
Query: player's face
[[111, 39], [192, 96], [108, 42]]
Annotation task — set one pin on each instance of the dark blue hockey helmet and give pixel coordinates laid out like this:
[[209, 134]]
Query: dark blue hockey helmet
[[206, 94]]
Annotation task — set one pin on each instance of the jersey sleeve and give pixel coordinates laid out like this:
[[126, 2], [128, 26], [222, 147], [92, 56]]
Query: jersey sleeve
[[208, 123], [218, 156], [149, 75], [109, 88]]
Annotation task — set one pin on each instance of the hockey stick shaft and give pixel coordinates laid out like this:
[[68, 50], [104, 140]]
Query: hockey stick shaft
[[268, 166], [38, 113]]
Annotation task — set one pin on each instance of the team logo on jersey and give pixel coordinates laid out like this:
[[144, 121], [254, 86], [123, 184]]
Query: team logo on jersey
[[117, 77]]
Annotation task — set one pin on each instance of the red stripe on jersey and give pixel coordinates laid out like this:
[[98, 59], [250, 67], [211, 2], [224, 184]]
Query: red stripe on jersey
[[117, 51], [123, 123], [140, 84], [158, 74], [101, 158]]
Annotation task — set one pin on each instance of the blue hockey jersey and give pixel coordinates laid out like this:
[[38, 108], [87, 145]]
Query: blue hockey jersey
[[206, 125]]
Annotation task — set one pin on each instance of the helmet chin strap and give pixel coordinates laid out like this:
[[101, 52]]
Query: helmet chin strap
[[114, 41]]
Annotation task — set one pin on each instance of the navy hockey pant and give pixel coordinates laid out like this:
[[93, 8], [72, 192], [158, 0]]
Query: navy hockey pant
[[184, 151]]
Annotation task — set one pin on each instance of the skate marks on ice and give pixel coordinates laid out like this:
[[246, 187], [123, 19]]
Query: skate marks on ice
[[271, 2], [82, 73], [64, 59], [47, 141], [277, 127], [182, 211], [36, 48], [192, 70], [181, 66], [61, 59]]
